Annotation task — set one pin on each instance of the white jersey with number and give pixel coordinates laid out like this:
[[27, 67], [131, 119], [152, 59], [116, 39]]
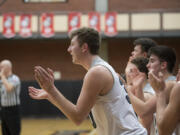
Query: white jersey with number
[[113, 113]]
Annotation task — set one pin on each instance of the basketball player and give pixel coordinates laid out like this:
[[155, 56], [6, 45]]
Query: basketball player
[[101, 90]]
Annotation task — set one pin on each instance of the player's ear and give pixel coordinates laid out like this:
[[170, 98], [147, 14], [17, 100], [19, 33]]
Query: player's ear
[[163, 65], [84, 47], [145, 54]]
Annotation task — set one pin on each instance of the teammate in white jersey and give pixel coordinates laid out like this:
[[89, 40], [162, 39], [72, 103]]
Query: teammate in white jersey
[[101, 90], [162, 59], [141, 48], [139, 72]]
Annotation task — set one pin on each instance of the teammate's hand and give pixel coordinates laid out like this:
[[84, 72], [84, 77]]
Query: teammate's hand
[[156, 81], [139, 79]]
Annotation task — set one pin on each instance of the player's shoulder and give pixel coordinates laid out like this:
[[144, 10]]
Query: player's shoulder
[[98, 70], [14, 78], [174, 96], [176, 89], [98, 73]]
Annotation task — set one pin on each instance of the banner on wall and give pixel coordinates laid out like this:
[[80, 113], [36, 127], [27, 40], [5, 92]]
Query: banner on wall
[[8, 25], [47, 24], [25, 25], [110, 23], [74, 19], [94, 20]]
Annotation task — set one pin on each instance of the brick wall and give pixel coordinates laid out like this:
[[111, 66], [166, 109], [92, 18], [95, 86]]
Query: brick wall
[[25, 54], [88, 5], [120, 49], [70, 5], [144, 5]]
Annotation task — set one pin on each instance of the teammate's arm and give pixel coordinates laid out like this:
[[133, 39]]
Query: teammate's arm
[[168, 115], [143, 108]]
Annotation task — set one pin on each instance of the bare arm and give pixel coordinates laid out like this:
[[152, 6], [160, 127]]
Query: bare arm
[[170, 112], [143, 108], [168, 103], [135, 92], [138, 83], [94, 83]]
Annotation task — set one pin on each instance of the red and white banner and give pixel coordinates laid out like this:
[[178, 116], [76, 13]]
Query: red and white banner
[[94, 20], [74, 19], [8, 25], [47, 24], [25, 25], [110, 23]]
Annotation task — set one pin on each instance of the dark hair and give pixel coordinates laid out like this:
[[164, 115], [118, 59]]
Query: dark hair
[[164, 53], [145, 43], [141, 63], [89, 36]]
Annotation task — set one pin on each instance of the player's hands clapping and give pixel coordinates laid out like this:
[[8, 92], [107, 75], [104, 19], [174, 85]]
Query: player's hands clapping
[[157, 82], [37, 93], [44, 77]]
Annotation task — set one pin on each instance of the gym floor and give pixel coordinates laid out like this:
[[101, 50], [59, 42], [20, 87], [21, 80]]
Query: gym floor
[[55, 126]]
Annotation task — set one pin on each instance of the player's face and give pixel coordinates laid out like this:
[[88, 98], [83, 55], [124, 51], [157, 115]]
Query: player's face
[[137, 52], [75, 50], [154, 64]]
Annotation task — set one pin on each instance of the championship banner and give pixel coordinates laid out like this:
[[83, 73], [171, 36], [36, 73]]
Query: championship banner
[[110, 23], [47, 24], [8, 25], [74, 19], [25, 25], [94, 20]]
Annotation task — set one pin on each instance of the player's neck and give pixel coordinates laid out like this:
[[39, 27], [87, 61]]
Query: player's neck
[[86, 63], [166, 75]]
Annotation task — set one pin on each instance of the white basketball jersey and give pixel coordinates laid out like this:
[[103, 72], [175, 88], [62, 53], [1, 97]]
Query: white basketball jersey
[[113, 113]]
